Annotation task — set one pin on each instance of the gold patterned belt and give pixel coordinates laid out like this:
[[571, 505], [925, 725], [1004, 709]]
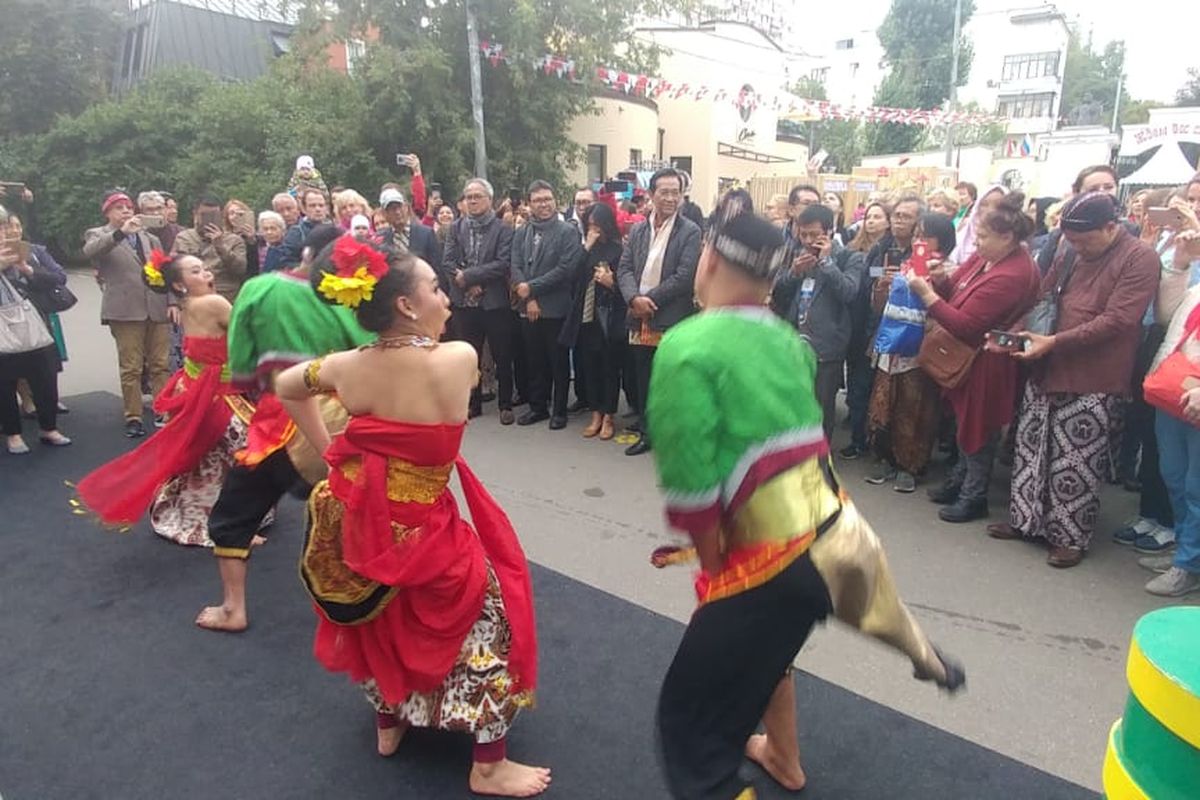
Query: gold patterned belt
[[407, 482], [193, 369]]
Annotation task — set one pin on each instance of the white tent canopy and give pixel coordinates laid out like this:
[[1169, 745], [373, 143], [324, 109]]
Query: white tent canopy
[[1167, 167]]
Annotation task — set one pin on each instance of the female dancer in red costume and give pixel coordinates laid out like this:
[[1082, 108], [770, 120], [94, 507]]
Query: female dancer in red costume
[[431, 614], [177, 472]]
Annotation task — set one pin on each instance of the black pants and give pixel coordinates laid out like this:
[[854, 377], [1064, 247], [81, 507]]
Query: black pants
[[860, 378], [579, 375], [732, 656], [520, 362], [39, 369], [1155, 502], [601, 360], [549, 365], [829, 380], [475, 325], [641, 360], [246, 497]]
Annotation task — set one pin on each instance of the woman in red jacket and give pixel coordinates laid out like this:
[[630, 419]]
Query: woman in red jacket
[[993, 289]]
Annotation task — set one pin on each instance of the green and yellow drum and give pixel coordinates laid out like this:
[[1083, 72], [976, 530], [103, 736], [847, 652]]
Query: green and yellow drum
[[1154, 750]]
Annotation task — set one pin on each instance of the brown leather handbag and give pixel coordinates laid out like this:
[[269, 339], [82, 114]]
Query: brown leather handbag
[[944, 357]]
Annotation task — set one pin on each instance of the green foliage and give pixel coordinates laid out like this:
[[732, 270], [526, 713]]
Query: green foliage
[[1189, 93], [56, 58], [1090, 81], [917, 38], [842, 139], [189, 133]]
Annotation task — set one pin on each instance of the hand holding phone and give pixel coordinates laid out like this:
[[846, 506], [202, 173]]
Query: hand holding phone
[[919, 262], [152, 221], [1165, 217], [1006, 341]]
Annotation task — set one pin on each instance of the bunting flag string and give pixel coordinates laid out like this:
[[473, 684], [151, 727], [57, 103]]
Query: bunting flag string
[[653, 88]]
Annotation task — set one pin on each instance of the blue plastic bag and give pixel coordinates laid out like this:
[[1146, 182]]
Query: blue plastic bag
[[903, 325]]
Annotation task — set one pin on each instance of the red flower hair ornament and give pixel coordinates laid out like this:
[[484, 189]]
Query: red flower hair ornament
[[357, 268]]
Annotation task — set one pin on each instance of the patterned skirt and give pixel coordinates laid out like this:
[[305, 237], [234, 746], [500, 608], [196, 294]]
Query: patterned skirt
[[1064, 450], [180, 511], [474, 698], [904, 412]]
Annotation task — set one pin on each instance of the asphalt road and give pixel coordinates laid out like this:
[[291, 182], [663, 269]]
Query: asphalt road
[[1045, 649]]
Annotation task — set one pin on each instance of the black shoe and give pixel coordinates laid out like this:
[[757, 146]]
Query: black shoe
[[965, 510], [852, 452], [557, 423], [532, 417], [506, 416], [474, 411], [134, 429], [640, 447], [577, 406], [945, 494]]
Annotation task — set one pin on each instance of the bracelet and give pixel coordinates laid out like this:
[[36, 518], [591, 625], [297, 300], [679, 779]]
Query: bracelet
[[312, 379]]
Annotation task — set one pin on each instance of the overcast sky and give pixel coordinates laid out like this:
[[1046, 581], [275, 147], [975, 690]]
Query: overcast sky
[[1160, 35]]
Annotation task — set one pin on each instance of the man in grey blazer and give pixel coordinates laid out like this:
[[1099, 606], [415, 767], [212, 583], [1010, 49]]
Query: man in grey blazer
[[545, 257], [656, 278], [475, 265], [135, 315]]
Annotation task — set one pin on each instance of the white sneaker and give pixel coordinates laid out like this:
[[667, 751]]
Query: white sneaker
[[1175, 582], [1157, 563]]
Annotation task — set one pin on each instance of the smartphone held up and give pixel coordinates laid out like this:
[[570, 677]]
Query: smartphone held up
[[1008, 342]]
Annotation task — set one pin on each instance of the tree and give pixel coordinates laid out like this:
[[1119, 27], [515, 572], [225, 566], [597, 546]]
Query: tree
[[918, 43], [842, 139], [56, 57], [1189, 93], [527, 113]]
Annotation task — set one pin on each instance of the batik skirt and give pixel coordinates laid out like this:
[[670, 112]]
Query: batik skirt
[[1064, 450]]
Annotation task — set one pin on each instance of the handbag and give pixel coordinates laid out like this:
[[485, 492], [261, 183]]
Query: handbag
[[945, 358], [1164, 387], [1043, 317], [903, 325], [21, 327]]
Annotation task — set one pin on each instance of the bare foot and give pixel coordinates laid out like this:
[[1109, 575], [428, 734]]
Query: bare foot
[[509, 779], [388, 739], [219, 618], [258, 541], [789, 776]]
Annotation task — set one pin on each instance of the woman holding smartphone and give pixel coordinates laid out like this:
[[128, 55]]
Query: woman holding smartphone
[[993, 289]]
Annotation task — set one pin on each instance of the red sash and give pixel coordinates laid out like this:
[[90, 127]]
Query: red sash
[[122, 490], [425, 549]]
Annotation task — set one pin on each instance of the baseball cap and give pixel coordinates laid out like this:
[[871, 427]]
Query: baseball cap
[[389, 196]]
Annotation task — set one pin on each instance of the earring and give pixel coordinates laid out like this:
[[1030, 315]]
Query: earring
[[413, 317]]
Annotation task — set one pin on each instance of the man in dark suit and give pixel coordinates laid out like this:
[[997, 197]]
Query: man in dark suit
[[476, 265], [545, 257], [405, 233], [656, 277]]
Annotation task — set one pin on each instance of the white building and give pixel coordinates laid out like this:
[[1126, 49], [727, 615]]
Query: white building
[[1017, 70], [716, 139]]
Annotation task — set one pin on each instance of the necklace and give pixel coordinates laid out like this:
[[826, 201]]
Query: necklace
[[406, 340]]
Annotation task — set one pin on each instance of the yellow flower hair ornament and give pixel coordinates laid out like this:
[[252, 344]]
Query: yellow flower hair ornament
[[357, 269], [152, 269]]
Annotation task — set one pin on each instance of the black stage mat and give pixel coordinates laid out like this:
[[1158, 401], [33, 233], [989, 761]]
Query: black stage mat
[[108, 691]]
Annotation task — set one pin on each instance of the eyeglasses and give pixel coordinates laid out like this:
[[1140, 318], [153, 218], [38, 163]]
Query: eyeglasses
[[475, 197], [541, 201]]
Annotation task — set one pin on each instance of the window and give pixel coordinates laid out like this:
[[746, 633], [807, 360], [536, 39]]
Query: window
[[635, 157], [597, 168], [1030, 65], [1028, 106], [682, 163], [355, 50], [819, 74], [843, 44]]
